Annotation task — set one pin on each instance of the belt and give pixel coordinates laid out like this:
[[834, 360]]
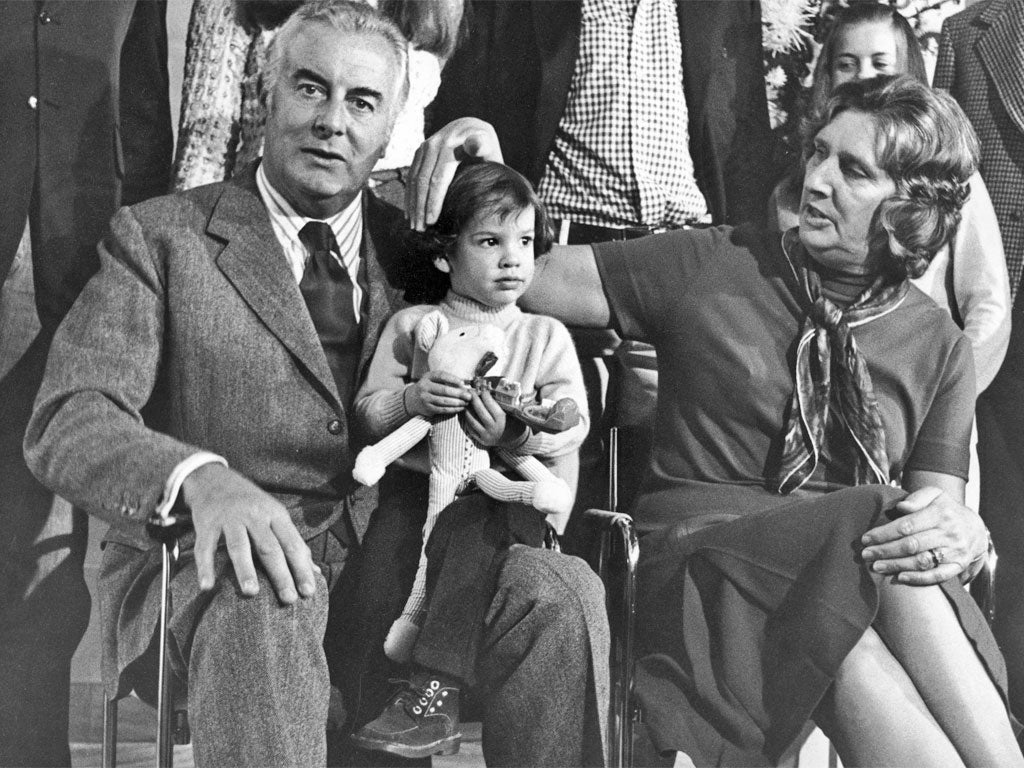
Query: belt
[[568, 232]]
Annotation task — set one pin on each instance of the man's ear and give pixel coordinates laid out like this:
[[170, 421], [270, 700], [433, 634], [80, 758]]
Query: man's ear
[[441, 262]]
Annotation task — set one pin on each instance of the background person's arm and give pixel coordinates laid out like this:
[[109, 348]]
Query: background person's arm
[[981, 286], [567, 286]]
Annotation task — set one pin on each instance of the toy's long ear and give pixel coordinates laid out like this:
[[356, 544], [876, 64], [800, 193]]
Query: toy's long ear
[[430, 326]]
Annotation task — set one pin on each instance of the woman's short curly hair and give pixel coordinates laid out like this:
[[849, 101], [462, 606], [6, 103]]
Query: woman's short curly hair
[[927, 146], [478, 188]]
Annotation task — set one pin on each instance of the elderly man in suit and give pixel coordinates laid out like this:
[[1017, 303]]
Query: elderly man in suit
[[211, 364], [981, 63], [79, 134]]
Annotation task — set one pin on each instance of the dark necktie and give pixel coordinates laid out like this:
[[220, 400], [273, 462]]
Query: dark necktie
[[327, 289]]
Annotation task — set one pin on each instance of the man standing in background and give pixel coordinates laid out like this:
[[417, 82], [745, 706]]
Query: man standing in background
[[80, 134], [981, 63]]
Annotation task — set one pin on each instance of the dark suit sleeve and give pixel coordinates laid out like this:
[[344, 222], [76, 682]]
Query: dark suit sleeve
[[145, 130], [513, 70], [87, 440], [731, 141]]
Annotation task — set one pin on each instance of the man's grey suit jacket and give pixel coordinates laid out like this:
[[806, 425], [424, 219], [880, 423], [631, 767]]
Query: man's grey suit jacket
[[194, 336]]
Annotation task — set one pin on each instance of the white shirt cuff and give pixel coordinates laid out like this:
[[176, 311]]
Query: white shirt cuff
[[173, 485]]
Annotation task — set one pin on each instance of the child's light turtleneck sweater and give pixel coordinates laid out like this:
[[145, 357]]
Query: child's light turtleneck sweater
[[540, 356]]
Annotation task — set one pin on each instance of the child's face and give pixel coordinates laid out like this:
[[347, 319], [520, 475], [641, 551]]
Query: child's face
[[491, 262]]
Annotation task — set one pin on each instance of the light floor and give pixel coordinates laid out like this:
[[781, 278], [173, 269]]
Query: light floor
[[142, 755], [815, 754]]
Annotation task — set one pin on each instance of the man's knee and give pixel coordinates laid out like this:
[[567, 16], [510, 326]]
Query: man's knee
[[245, 616], [224, 626], [561, 589], [257, 671]]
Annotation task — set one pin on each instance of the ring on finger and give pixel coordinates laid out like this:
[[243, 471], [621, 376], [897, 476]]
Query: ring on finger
[[938, 556]]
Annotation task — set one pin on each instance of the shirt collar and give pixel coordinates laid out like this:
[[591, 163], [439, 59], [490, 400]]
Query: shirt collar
[[347, 224]]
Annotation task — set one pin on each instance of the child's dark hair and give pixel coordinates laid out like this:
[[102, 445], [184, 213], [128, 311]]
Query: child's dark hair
[[478, 187]]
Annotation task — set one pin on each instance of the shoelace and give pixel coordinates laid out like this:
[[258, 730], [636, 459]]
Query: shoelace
[[414, 698]]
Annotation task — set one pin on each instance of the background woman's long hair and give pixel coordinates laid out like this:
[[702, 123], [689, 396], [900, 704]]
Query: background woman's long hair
[[430, 25]]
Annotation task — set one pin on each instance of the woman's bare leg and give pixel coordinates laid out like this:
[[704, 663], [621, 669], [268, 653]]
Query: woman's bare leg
[[874, 715], [920, 628]]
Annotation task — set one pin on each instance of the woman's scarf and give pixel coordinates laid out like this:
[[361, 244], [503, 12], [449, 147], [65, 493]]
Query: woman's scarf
[[830, 369]]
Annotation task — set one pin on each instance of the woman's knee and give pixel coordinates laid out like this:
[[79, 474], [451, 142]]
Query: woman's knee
[[859, 670]]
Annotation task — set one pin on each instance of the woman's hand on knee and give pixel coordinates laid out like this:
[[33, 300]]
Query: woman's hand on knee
[[935, 538]]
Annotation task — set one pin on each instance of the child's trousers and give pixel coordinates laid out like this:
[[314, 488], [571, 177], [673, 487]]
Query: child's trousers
[[465, 554]]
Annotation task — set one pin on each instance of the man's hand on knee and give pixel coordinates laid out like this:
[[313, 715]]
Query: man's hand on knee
[[225, 504]]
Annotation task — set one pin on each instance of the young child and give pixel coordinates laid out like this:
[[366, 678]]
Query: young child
[[477, 260]]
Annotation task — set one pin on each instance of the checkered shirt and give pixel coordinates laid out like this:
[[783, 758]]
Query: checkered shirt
[[621, 152]]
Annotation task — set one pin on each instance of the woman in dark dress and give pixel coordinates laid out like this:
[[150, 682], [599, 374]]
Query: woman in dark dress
[[805, 541]]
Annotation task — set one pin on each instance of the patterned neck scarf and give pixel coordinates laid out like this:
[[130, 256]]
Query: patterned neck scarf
[[832, 378]]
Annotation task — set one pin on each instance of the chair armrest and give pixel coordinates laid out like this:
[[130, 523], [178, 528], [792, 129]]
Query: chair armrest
[[618, 555], [983, 585]]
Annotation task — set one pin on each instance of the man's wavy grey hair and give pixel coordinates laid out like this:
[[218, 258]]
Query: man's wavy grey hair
[[345, 16]]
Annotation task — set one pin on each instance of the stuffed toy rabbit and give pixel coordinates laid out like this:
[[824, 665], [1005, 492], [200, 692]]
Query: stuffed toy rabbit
[[456, 461]]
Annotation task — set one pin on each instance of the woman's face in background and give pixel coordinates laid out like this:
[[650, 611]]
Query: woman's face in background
[[864, 51]]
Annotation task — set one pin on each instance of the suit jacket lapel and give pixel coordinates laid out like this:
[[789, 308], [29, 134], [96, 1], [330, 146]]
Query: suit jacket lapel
[[1001, 50], [253, 262]]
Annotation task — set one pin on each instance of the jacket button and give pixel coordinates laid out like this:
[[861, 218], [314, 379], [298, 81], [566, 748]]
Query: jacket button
[[33, 102], [44, 17], [334, 427]]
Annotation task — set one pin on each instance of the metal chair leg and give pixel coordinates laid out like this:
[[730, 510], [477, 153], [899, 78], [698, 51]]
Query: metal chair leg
[[164, 743], [109, 753], [171, 727], [617, 561], [618, 555]]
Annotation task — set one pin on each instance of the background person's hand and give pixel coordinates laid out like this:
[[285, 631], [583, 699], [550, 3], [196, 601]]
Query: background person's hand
[[226, 505], [931, 524], [436, 161], [437, 394]]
